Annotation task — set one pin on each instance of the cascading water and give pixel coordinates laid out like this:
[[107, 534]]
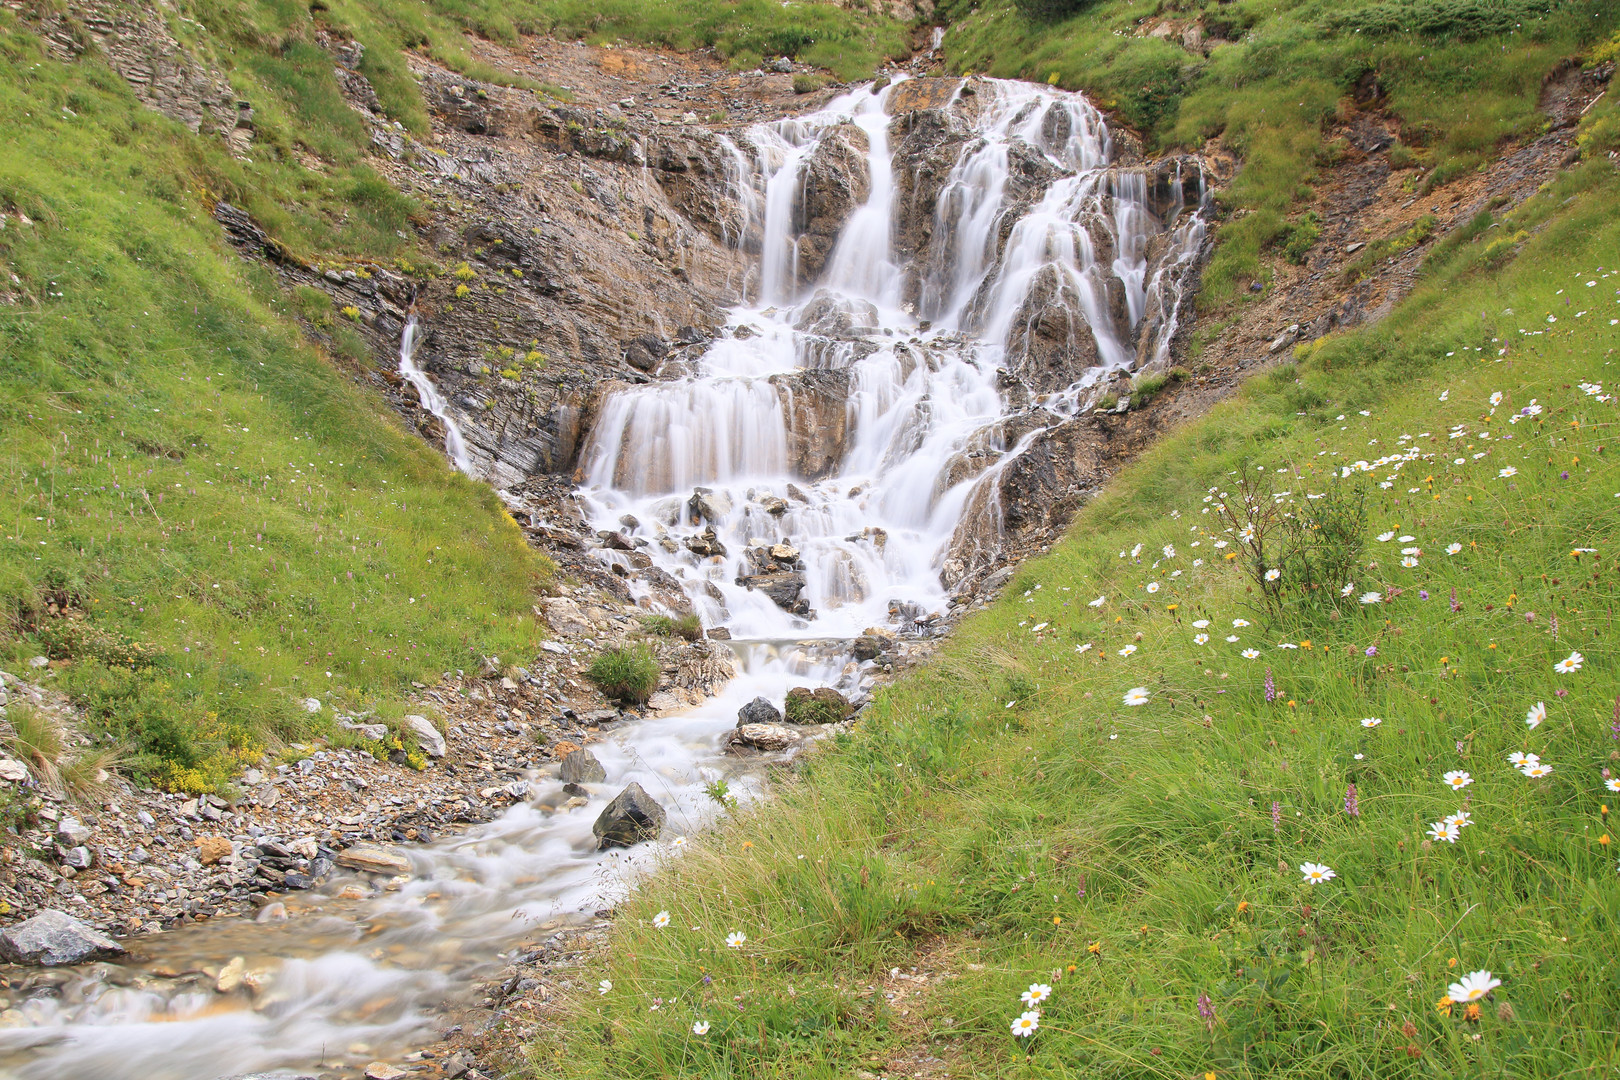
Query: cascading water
[[805, 485], [455, 445]]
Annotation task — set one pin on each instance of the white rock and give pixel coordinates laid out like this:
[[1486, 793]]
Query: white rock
[[312, 705], [13, 770], [38, 662], [427, 736]]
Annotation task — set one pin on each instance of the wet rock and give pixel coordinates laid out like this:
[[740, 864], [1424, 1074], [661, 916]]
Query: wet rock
[[52, 938], [632, 816], [823, 705], [458, 1065], [709, 505], [719, 633], [581, 767], [758, 711], [644, 352], [381, 1070], [705, 544], [374, 859], [783, 587], [427, 736], [835, 180], [768, 737], [867, 647]]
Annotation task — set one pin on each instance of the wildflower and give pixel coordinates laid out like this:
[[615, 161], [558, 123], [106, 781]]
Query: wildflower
[[1099, 602], [1231, 638], [1519, 760], [700, 1028], [1537, 771], [1200, 639], [1371, 650], [1243, 905], [1025, 1025], [605, 986], [1135, 551], [1443, 1006], [1440, 830], [1507, 472], [1083, 648], [1271, 688], [1136, 696], [736, 939], [1570, 663], [1349, 587], [1273, 574], [1127, 650], [1200, 624], [1409, 561], [1351, 805], [1240, 623], [1169, 551], [661, 919], [1537, 713], [1473, 986], [1276, 815], [1152, 586], [1458, 779], [1095, 948], [1452, 549], [1371, 721], [1251, 654], [1037, 993], [1316, 873], [1371, 597], [1613, 783], [1206, 1011], [1386, 537], [1460, 819]]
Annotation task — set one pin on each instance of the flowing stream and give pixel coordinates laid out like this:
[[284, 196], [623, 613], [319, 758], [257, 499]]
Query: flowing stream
[[706, 476]]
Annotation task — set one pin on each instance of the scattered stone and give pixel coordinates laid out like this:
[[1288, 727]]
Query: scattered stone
[[823, 705], [312, 705], [374, 859], [374, 732], [458, 1065], [427, 736], [632, 816], [38, 662], [719, 633], [72, 831], [766, 736], [13, 770], [78, 858], [381, 1070], [581, 767], [211, 849], [867, 647], [758, 711], [52, 938], [230, 976]]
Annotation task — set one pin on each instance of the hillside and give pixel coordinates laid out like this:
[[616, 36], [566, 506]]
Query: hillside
[[1206, 483]]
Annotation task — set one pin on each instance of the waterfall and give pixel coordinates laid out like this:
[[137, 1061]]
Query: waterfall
[[454, 443], [864, 432]]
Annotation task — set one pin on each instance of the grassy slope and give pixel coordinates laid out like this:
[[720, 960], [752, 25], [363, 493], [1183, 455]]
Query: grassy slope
[[1458, 87], [235, 516], [1003, 816]]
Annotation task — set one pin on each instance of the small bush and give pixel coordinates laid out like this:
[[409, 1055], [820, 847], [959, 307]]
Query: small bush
[[805, 83], [629, 675], [820, 706], [1301, 236], [1146, 387], [1050, 10]]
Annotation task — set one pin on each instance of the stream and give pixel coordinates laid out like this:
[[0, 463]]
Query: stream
[[699, 474]]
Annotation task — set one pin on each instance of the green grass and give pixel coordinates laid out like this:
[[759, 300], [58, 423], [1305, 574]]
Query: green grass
[[229, 524], [1003, 817], [629, 674], [1457, 83]]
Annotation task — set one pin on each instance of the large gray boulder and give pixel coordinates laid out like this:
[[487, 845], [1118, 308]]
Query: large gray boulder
[[758, 711], [581, 767], [426, 735], [632, 816], [768, 737], [54, 937]]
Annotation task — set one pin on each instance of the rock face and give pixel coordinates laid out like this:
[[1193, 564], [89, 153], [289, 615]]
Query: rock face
[[767, 737], [777, 571], [426, 735], [758, 711], [835, 181], [815, 405], [823, 705], [632, 816], [581, 767], [52, 938]]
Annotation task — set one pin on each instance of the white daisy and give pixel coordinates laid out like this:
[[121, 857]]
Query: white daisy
[[1153, 586], [1316, 873], [1136, 696], [1025, 1025], [1372, 597], [1409, 562], [1250, 654], [1200, 624], [679, 841], [605, 986], [1537, 713], [1169, 551], [1349, 588], [1452, 549], [1127, 650], [1200, 639], [1570, 663], [1441, 830], [1386, 537], [1613, 783], [1083, 648], [700, 1028], [1037, 993], [1537, 771], [1518, 759], [1231, 637], [1371, 721], [1273, 574], [1472, 987], [661, 919], [736, 939], [1458, 779], [1099, 602], [1240, 622], [1507, 472]]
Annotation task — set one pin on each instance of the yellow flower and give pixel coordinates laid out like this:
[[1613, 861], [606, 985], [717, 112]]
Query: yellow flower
[[1452, 962], [1604, 839], [747, 844], [1057, 920], [1471, 1013], [1443, 1006], [1094, 948], [1243, 905]]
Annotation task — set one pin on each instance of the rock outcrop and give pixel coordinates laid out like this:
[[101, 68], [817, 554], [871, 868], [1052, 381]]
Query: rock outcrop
[[632, 816], [53, 938]]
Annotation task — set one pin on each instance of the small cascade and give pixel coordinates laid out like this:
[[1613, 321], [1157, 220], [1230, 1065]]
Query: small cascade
[[454, 443]]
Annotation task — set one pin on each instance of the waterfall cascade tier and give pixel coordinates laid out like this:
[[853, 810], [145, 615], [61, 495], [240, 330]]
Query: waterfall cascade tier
[[847, 432], [945, 274]]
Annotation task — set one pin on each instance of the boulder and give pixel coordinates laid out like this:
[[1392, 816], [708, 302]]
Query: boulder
[[867, 647], [767, 737], [783, 587], [581, 767], [709, 505], [705, 544], [211, 849], [643, 353], [374, 859], [632, 816], [72, 831], [758, 711], [427, 736], [823, 705], [13, 770], [52, 938]]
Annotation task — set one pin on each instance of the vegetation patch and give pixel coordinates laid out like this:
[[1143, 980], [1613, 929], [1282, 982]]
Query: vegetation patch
[[629, 674]]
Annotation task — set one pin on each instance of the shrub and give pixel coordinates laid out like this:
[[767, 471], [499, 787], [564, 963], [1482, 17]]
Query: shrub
[[1146, 387], [819, 706], [687, 626], [1050, 10], [805, 83], [629, 675], [1301, 237]]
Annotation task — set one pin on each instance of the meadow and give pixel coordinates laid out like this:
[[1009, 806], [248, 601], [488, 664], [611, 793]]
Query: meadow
[[1295, 758]]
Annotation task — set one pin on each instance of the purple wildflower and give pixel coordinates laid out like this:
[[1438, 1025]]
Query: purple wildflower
[[1080, 893], [1206, 1010], [1564, 475], [1271, 688], [1351, 805], [1276, 815], [1554, 627], [1614, 728], [1423, 594], [1455, 607], [1372, 650]]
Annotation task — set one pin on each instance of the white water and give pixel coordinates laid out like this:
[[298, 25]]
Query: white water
[[349, 981], [428, 394]]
